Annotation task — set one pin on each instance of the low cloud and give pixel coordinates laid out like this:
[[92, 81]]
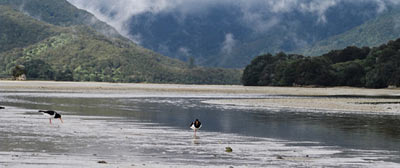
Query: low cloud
[[258, 22], [228, 44], [319, 8], [184, 51], [137, 38], [118, 13]]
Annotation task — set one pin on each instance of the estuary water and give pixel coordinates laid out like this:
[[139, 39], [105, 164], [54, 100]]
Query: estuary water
[[129, 130]]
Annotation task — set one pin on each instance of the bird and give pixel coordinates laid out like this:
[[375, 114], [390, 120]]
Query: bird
[[51, 114], [195, 126]]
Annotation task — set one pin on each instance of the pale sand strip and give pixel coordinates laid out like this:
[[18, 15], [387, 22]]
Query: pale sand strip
[[340, 104], [233, 89], [344, 105]]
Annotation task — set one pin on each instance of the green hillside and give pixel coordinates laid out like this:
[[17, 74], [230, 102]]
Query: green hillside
[[81, 53], [373, 33], [17, 30], [60, 13]]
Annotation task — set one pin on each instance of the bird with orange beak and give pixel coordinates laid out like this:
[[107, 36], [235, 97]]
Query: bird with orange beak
[[51, 114]]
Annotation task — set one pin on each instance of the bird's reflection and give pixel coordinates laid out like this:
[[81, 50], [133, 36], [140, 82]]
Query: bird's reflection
[[196, 140]]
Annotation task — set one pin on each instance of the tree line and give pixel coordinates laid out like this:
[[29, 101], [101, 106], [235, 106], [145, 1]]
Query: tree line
[[107, 71], [376, 67]]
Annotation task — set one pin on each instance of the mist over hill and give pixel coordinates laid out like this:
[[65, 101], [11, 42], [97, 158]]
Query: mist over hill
[[60, 13], [374, 32], [229, 33]]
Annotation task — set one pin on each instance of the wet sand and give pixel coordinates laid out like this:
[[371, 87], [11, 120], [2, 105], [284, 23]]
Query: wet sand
[[327, 105], [371, 100], [82, 141]]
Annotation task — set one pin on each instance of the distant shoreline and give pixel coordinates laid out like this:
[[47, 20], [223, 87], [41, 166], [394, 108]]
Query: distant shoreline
[[350, 103], [234, 89]]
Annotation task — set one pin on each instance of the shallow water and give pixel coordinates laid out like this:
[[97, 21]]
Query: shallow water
[[154, 130]]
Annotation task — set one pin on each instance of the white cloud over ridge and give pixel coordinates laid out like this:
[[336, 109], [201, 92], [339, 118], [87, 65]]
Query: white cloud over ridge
[[118, 12], [228, 44]]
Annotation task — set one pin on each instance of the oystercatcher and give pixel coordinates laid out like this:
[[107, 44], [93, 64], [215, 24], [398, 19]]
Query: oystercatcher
[[51, 114], [195, 126]]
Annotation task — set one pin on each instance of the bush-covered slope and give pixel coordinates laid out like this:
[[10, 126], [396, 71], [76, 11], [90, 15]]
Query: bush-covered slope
[[81, 53], [372, 33], [362, 67], [17, 30], [60, 13]]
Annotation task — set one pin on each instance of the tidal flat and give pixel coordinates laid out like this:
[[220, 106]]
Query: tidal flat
[[147, 125]]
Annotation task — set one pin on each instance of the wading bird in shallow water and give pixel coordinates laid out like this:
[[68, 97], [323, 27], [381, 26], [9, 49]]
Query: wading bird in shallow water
[[195, 126], [51, 114]]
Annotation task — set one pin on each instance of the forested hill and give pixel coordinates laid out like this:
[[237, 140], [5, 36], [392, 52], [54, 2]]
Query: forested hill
[[47, 40], [60, 13], [372, 33], [377, 67]]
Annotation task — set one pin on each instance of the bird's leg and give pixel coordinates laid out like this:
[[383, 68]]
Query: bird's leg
[[50, 120], [195, 133], [61, 120]]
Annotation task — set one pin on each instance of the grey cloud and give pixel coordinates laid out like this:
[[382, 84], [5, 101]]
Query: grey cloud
[[228, 44], [258, 22], [118, 12], [184, 51], [319, 8]]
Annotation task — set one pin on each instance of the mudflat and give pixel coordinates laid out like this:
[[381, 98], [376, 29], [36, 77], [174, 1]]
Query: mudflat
[[343, 99], [145, 125]]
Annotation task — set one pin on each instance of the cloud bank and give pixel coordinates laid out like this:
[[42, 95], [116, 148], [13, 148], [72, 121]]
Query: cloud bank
[[117, 13]]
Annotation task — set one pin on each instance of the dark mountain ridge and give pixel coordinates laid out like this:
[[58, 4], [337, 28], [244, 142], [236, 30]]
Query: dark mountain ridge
[[372, 33], [226, 35]]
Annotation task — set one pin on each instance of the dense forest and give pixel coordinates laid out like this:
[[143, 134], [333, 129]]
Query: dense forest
[[377, 67]]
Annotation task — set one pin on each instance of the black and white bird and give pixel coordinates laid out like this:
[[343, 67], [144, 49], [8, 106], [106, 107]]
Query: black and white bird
[[51, 114], [195, 126]]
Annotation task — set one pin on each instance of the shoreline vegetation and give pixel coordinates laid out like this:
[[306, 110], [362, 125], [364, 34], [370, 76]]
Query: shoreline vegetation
[[375, 67], [339, 99]]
